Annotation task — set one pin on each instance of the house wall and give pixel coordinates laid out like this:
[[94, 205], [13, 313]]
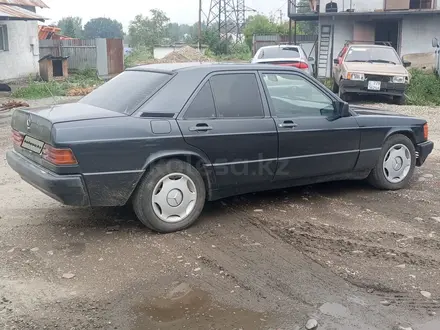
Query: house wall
[[343, 31], [21, 60], [417, 33]]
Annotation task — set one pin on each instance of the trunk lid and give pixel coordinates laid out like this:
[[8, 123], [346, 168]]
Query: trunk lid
[[38, 122]]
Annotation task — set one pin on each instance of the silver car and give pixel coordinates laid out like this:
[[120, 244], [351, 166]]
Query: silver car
[[286, 55]]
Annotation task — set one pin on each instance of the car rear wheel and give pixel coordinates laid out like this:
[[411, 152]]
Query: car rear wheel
[[170, 197], [395, 165]]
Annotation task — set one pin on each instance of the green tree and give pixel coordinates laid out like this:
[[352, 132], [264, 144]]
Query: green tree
[[307, 28], [147, 31], [71, 26], [103, 27]]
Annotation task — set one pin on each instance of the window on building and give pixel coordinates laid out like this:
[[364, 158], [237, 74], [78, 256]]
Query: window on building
[[420, 4], [4, 38]]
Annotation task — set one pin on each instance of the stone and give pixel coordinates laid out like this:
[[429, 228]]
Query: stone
[[312, 324], [426, 294], [113, 228], [436, 219], [428, 175], [68, 276], [432, 313], [385, 303], [50, 253], [35, 249], [401, 266], [258, 210], [11, 250], [197, 269]]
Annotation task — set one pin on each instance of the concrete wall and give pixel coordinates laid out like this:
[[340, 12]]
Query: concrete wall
[[417, 33], [357, 5], [343, 30], [21, 59]]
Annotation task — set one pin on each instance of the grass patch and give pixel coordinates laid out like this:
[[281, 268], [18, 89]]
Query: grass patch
[[424, 89], [41, 89], [138, 56]]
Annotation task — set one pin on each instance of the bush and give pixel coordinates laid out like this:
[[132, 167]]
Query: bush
[[424, 89]]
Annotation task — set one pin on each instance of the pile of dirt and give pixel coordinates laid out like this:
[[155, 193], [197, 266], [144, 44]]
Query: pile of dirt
[[80, 91], [185, 54]]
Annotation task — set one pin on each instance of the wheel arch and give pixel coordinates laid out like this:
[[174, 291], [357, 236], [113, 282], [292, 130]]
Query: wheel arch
[[402, 131], [200, 162]]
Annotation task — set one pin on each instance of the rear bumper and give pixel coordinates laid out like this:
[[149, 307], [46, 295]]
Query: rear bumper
[[361, 87], [67, 189], [423, 150]]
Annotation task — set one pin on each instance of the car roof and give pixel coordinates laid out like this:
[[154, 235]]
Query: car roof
[[208, 67], [279, 46], [368, 45]]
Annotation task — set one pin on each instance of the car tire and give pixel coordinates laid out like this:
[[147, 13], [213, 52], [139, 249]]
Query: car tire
[[400, 100], [166, 183], [395, 147], [335, 87]]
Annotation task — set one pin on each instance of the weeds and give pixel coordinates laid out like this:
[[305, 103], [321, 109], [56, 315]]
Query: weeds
[[42, 89], [138, 56], [424, 89]]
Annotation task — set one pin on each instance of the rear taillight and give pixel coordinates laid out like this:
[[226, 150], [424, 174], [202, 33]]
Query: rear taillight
[[17, 137], [59, 156], [299, 65], [425, 131]]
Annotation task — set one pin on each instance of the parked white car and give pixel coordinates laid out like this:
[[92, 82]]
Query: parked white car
[[286, 55]]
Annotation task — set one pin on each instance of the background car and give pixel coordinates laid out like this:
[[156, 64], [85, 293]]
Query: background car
[[165, 138], [285, 55], [370, 69]]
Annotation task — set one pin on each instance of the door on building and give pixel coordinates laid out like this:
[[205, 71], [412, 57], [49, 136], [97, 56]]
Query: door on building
[[388, 30]]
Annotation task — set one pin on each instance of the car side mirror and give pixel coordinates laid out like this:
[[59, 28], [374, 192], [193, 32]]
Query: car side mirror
[[336, 61], [342, 108], [311, 59], [406, 63], [435, 42]]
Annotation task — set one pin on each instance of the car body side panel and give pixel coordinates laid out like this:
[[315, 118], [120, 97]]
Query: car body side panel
[[375, 129], [113, 153]]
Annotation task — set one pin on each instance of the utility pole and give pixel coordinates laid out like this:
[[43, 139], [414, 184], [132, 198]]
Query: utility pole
[[200, 25]]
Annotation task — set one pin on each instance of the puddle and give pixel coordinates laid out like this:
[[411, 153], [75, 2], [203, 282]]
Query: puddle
[[335, 310], [188, 308]]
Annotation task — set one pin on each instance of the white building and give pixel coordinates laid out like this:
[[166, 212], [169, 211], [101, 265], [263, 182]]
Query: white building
[[19, 47], [408, 25]]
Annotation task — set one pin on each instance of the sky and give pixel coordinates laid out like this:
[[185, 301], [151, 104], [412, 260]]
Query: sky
[[180, 11]]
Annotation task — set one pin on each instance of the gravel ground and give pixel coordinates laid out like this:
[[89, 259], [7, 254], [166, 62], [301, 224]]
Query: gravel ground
[[347, 255]]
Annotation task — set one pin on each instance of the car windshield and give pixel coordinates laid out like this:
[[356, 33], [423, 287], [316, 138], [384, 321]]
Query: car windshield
[[126, 92], [280, 52], [372, 54]]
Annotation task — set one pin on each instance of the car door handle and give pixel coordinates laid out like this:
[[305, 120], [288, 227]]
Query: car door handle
[[288, 124], [200, 128]]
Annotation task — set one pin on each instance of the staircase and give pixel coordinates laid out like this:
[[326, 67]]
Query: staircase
[[324, 50]]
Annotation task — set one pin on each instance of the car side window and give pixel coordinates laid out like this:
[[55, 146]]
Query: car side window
[[202, 106], [294, 96], [237, 95]]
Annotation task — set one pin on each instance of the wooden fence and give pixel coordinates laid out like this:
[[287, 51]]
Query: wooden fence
[[107, 56]]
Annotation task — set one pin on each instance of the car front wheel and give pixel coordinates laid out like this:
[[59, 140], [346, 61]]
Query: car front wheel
[[170, 197], [395, 165]]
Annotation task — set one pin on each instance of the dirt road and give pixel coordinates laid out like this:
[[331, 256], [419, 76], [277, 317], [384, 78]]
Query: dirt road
[[349, 256]]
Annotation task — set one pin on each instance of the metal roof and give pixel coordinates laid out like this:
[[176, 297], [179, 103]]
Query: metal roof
[[32, 3], [17, 13]]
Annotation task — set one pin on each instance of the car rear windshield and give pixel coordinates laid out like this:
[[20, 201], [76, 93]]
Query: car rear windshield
[[372, 54], [127, 91], [280, 52]]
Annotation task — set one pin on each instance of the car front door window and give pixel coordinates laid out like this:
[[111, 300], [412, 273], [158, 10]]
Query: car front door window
[[294, 96]]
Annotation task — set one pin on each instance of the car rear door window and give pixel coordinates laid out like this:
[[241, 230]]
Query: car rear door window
[[294, 96], [202, 106], [237, 95]]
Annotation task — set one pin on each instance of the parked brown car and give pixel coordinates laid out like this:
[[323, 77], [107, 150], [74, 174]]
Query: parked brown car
[[370, 69]]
